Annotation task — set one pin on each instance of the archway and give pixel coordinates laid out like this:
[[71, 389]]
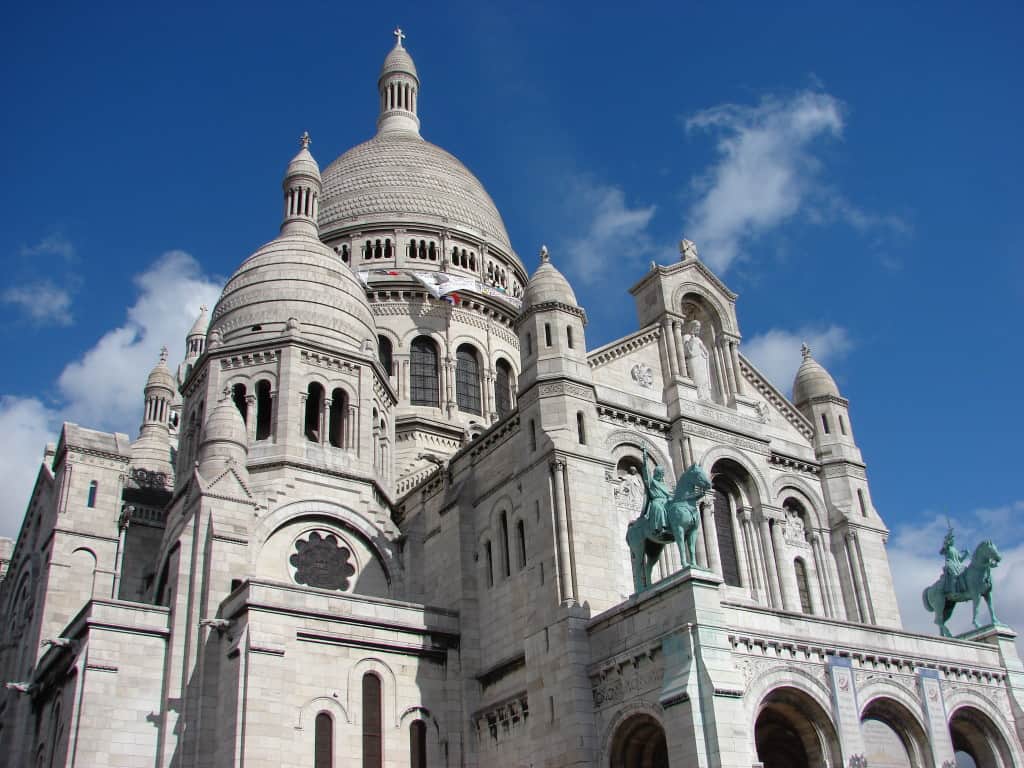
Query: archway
[[639, 743], [793, 731], [892, 736], [977, 741]]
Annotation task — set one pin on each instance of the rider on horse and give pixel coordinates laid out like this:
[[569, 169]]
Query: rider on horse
[[658, 496], [952, 571]]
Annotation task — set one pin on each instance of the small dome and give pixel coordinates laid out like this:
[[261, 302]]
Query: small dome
[[547, 285], [161, 375], [201, 324], [224, 425], [294, 276], [303, 164], [812, 380], [398, 60]]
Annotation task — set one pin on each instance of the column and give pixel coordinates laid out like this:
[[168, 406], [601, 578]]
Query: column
[[561, 531], [817, 608], [723, 345], [273, 416], [250, 418], [702, 550], [821, 569], [351, 435], [723, 381], [772, 543], [741, 549], [677, 335], [870, 616], [673, 357], [711, 535], [853, 560], [738, 374], [754, 555]]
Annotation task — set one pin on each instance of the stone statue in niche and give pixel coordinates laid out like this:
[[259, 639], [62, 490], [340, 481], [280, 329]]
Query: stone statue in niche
[[631, 493], [697, 360], [321, 561], [642, 375]]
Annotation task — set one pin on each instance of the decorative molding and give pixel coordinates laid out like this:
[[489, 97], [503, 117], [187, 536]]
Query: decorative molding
[[615, 350], [729, 438], [773, 396]]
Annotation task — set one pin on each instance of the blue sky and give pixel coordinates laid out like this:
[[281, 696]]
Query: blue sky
[[853, 173]]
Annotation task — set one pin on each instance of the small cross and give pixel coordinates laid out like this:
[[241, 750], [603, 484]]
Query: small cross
[[544, 256], [163, 354], [805, 350], [399, 36], [305, 139]]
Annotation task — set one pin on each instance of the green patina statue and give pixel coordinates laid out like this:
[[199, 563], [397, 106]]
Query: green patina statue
[[962, 580], [666, 517]]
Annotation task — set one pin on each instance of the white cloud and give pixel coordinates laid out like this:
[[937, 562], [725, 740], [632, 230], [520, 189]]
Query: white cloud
[[42, 302], [916, 564], [765, 171], [52, 245], [27, 425], [103, 388], [610, 230], [776, 353]]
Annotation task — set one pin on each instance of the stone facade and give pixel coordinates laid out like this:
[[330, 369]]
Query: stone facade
[[378, 518]]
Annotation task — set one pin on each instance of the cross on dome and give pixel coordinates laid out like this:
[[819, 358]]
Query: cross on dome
[[399, 36], [163, 354], [544, 255], [805, 350], [305, 140]]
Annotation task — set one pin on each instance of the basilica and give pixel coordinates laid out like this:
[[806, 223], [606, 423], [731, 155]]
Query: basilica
[[378, 517]]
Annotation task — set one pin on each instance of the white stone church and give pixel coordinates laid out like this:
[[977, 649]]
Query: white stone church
[[378, 516]]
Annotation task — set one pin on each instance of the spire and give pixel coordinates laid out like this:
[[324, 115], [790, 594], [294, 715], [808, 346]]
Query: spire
[[302, 187], [398, 86]]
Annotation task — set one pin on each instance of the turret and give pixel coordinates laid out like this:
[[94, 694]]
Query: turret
[[224, 442], [399, 87], [550, 327], [153, 448], [302, 187], [817, 397], [195, 344]]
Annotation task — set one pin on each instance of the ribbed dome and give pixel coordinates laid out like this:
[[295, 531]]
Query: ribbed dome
[[812, 380], [161, 375], [294, 276], [397, 176], [398, 60], [201, 324], [546, 285], [303, 163], [225, 425]]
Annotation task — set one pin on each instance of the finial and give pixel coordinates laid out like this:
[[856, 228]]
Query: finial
[[545, 257], [305, 140], [399, 35], [203, 308], [163, 354], [805, 351]]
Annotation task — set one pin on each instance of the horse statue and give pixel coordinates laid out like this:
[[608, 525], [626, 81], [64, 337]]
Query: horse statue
[[959, 584], [666, 518]]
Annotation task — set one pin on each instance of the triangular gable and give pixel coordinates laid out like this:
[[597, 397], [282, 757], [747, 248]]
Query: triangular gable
[[227, 485], [775, 398]]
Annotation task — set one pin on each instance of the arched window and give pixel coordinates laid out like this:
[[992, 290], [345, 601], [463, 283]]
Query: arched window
[[802, 586], [505, 558], [323, 741], [418, 744], [547, 334], [467, 379], [387, 248], [384, 354], [842, 424], [503, 388], [90, 500], [423, 382], [726, 541], [489, 562], [373, 748], [581, 431], [314, 406], [238, 397], [824, 422], [263, 406], [568, 335], [339, 416], [521, 541]]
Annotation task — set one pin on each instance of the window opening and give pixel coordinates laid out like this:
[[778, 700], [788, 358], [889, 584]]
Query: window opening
[[238, 396], [521, 540], [802, 586], [423, 380], [824, 423], [418, 744], [90, 500], [581, 433], [373, 752], [503, 388], [314, 406], [505, 559], [547, 334], [467, 379], [263, 405], [339, 408], [323, 741], [384, 354]]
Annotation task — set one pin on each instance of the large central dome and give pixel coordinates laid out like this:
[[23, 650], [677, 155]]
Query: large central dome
[[397, 175]]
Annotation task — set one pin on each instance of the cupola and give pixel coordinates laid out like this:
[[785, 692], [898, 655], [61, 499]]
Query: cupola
[[302, 187], [812, 380], [153, 448], [399, 87], [224, 441]]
